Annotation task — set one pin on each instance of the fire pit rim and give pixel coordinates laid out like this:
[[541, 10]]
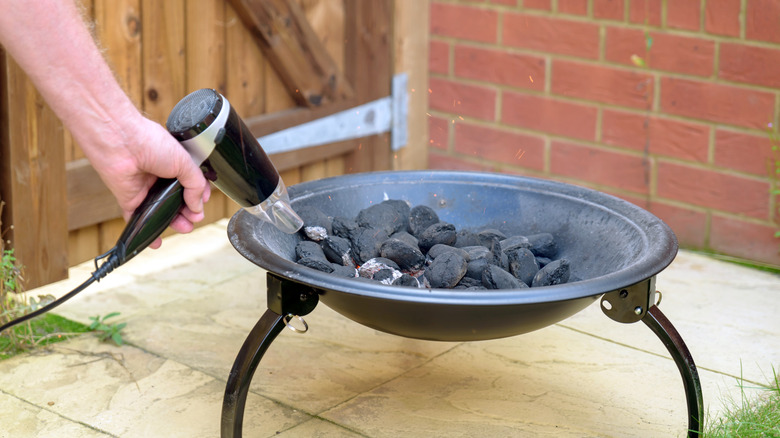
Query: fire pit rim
[[660, 251]]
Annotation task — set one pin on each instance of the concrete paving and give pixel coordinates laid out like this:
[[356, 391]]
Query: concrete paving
[[189, 306]]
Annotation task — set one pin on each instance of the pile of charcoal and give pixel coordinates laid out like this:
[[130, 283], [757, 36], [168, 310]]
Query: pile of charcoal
[[395, 244]]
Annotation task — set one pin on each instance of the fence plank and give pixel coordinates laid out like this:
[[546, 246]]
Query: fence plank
[[32, 179], [369, 69]]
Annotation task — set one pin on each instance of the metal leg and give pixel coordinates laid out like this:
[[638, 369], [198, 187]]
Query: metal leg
[[255, 346], [637, 303], [682, 357]]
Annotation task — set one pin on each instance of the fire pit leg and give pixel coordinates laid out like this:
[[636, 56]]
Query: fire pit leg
[[285, 300], [682, 357], [637, 303], [255, 346]]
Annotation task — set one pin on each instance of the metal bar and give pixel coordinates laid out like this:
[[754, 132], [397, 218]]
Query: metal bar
[[665, 331], [260, 338], [388, 114]]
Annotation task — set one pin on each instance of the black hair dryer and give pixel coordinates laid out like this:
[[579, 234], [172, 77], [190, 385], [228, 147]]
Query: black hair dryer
[[230, 157]]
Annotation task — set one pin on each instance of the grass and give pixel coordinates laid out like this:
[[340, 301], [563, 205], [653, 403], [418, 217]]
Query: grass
[[44, 330], [750, 416]]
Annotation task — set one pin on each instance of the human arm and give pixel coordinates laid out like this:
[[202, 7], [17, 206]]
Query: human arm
[[50, 42]]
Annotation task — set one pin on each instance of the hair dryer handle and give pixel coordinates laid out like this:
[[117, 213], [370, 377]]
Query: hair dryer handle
[[161, 205]]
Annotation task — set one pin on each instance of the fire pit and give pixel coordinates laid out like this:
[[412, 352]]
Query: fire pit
[[616, 249]]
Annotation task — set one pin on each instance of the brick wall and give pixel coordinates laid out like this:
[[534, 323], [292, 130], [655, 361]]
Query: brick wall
[[665, 103]]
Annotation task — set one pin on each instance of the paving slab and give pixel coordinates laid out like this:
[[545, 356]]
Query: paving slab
[[189, 306]]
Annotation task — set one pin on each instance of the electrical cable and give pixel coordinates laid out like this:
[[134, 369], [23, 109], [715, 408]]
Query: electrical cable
[[112, 260]]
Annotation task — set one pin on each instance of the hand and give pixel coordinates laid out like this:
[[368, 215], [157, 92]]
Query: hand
[[141, 151]]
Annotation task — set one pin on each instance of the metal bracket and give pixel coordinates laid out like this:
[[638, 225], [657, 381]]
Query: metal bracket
[[286, 297], [630, 304], [388, 114]]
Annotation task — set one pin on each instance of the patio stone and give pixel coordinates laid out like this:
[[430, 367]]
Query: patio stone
[[190, 305]]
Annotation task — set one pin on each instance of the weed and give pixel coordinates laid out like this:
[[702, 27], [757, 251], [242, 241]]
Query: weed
[[107, 330], [751, 416]]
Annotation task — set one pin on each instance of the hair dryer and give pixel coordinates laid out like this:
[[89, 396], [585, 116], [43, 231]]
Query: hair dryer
[[231, 158]]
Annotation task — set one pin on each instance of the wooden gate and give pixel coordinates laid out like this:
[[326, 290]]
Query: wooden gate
[[280, 63]]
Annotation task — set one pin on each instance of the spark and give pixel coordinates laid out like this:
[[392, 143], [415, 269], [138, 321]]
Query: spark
[[520, 153], [532, 79], [461, 117], [430, 91]]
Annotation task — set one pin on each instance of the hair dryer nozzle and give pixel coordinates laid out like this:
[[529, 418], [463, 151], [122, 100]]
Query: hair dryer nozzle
[[277, 211]]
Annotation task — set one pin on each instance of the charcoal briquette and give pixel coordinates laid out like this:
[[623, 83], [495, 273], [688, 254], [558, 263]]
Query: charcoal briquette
[[374, 265], [439, 248], [307, 248], [466, 238], [382, 216], [487, 236], [420, 218], [344, 271], [345, 227], [316, 263], [387, 275], [514, 242], [446, 270], [543, 261], [367, 243], [477, 252], [470, 283], [475, 268], [406, 280], [404, 236], [555, 272], [316, 224], [496, 278], [338, 250], [543, 245], [408, 257], [522, 264], [440, 232]]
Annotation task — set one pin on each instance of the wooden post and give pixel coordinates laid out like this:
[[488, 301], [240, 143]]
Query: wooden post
[[32, 178], [411, 57]]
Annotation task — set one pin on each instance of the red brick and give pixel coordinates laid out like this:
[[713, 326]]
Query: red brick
[[750, 64], [645, 12], [761, 20], [549, 115], [462, 99], [464, 22], [627, 172], [439, 57], [500, 67], [551, 35], [744, 239], [689, 226], [537, 4], [656, 135], [437, 160], [743, 152], [683, 15], [722, 17], [438, 132], [718, 103], [609, 9], [602, 84], [712, 189], [505, 2], [673, 53], [498, 145], [575, 7]]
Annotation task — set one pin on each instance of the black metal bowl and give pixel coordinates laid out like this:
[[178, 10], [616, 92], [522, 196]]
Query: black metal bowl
[[610, 243]]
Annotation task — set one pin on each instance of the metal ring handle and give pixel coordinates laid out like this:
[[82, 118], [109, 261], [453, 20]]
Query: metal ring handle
[[289, 317]]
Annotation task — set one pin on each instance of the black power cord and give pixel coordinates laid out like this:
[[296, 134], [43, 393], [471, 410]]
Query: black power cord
[[110, 261]]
